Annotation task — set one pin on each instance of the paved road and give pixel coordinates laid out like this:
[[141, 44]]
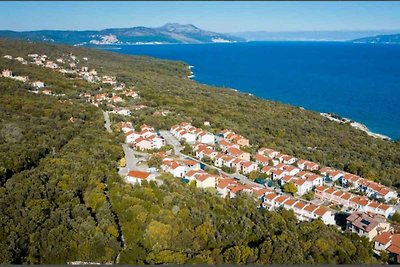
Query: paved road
[[131, 161], [132, 158], [107, 123], [171, 140]]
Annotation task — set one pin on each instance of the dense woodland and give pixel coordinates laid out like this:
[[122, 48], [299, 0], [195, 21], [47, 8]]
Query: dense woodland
[[62, 200]]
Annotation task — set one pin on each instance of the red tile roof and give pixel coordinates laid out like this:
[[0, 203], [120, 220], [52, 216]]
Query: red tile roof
[[138, 174], [321, 211]]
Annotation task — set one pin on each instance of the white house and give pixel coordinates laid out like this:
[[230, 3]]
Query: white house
[[206, 181], [7, 73], [316, 180], [23, 79], [136, 177], [262, 160], [130, 136], [38, 84], [286, 159], [20, 59], [307, 165], [142, 143], [174, 167], [303, 186], [248, 166], [390, 242], [268, 152], [278, 174], [206, 138], [223, 184], [121, 111], [187, 137]]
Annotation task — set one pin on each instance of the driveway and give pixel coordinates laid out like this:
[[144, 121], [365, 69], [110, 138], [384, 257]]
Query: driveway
[[132, 158], [171, 140]]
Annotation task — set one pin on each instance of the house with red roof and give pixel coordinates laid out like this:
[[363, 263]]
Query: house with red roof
[[390, 242], [303, 186], [358, 203], [331, 173], [137, 177], [307, 165], [278, 174], [291, 170], [219, 159], [223, 184], [206, 181], [236, 138], [239, 188], [268, 169], [142, 143], [268, 152], [367, 224], [302, 210], [247, 166], [287, 159], [262, 160], [131, 136], [224, 144], [237, 153], [174, 167]]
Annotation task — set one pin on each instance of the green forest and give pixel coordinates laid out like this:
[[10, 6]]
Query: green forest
[[62, 200]]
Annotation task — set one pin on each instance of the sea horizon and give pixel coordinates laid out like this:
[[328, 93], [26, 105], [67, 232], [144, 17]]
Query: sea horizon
[[286, 71]]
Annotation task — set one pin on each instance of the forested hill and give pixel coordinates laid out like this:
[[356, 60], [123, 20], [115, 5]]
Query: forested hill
[[170, 33], [61, 198]]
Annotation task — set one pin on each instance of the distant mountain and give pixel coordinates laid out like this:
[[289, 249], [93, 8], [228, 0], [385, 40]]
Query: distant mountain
[[308, 35], [380, 39], [169, 33]]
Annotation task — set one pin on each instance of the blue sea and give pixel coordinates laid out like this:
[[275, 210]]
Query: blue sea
[[357, 81]]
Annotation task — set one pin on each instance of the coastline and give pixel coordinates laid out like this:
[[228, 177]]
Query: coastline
[[329, 116], [190, 67], [354, 124], [198, 76]]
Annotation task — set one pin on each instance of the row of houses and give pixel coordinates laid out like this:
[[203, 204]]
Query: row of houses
[[145, 139], [355, 202], [367, 187], [190, 134], [228, 187], [231, 156], [304, 211], [269, 157], [236, 138], [232, 159], [190, 170], [203, 142]]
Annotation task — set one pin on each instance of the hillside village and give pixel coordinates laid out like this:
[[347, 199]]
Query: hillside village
[[227, 164]]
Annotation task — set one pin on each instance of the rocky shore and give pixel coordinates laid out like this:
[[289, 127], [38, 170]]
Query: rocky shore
[[357, 125]]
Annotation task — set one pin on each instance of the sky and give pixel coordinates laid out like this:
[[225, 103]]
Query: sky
[[214, 16]]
